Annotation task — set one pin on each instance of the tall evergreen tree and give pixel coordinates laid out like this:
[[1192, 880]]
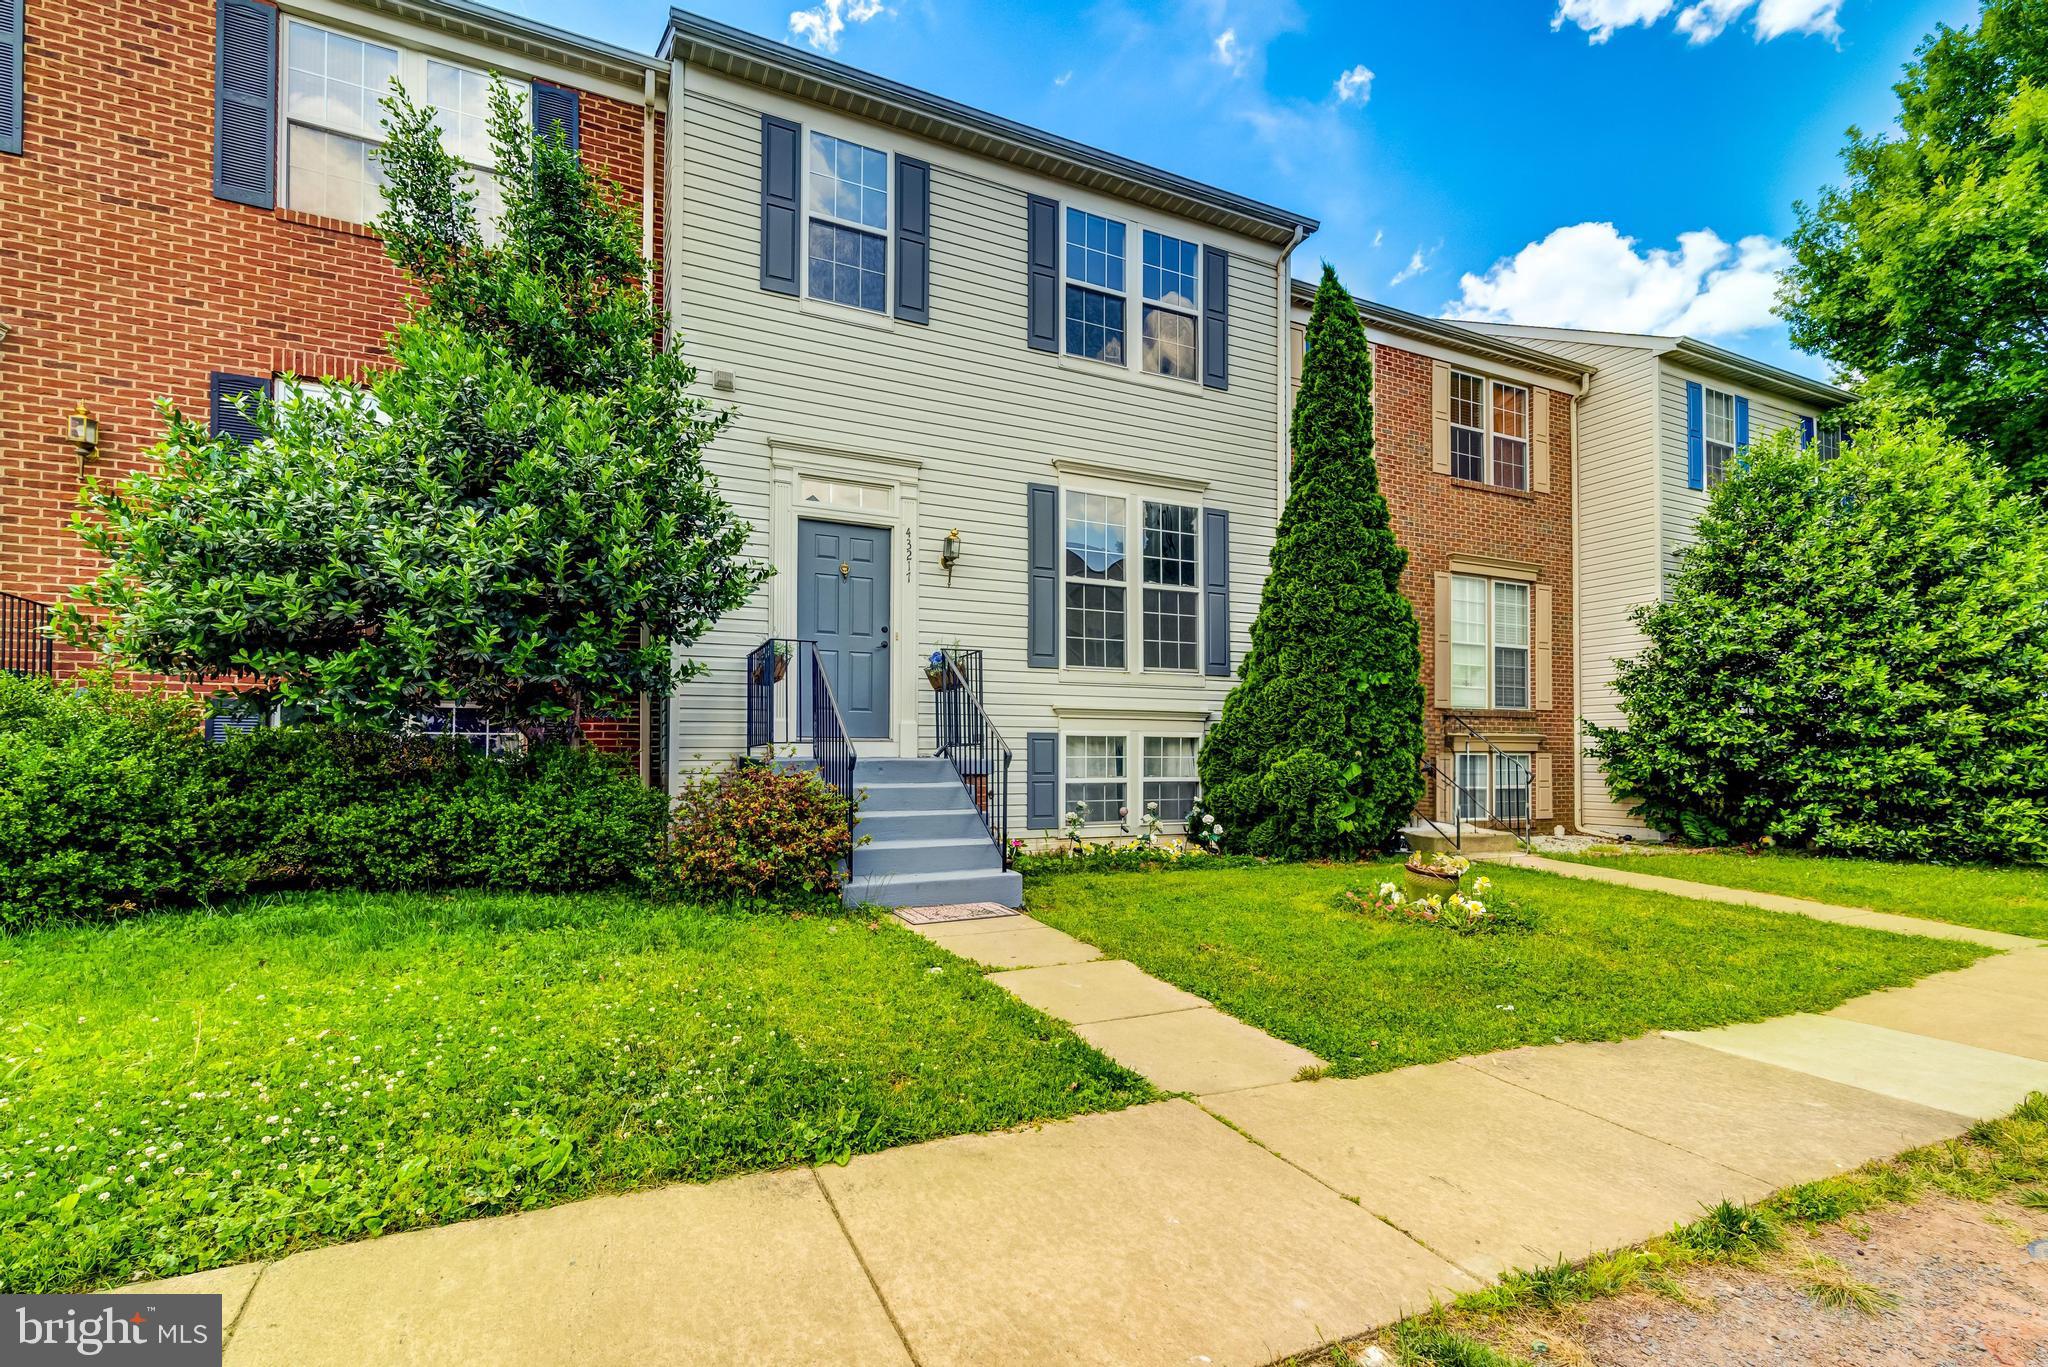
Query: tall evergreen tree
[[1317, 753]]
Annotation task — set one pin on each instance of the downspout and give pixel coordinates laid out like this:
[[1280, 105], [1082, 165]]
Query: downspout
[[1578, 617], [1281, 456], [647, 201]]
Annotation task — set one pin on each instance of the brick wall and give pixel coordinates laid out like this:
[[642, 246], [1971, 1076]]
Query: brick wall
[[1436, 518], [127, 281]]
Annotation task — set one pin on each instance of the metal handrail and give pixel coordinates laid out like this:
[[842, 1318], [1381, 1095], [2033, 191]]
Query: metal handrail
[[26, 647], [821, 722], [1521, 824], [830, 745], [976, 749]]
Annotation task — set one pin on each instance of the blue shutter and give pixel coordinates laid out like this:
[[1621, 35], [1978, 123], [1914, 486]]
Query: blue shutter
[[1805, 433], [1695, 436], [1215, 592], [555, 104], [913, 240], [1042, 255], [1042, 540], [245, 103], [1741, 423], [224, 419], [1215, 319], [1041, 781], [11, 57], [779, 139]]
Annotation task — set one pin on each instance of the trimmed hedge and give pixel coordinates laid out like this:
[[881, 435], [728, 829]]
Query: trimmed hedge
[[112, 804]]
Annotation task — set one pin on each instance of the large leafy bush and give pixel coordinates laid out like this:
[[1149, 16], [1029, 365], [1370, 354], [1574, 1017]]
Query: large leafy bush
[[105, 800], [1318, 750], [751, 832], [1852, 657], [522, 519]]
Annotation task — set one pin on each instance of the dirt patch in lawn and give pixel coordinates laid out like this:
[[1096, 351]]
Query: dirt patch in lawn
[[1946, 1281]]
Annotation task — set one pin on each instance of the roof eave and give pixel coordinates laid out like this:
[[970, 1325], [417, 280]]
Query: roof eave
[[1457, 337], [1711, 357], [777, 66], [528, 36]]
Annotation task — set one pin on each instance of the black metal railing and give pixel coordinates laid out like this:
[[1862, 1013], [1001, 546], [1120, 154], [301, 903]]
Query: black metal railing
[[1486, 805], [970, 741], [25, 643], [829, 744]]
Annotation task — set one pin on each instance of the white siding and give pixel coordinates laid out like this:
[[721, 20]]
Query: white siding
[[1768, 414], [979, 413]]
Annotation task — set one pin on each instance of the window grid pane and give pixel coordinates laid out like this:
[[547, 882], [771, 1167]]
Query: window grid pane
[[1170, 779], [1170, 271], [1096, 778], [1510, 645], [1095, 325], [1169, 343], [849, 182], [1473, 772], [1720, 436], [1468, 426], [333, 176], [1468, 641], [335, 81], [1095, 250], [1510, 436], [1511, 790], [462, 106], [848, 266]]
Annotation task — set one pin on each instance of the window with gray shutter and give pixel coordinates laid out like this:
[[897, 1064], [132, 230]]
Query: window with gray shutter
[[1042, 252], [224, 416], [557, 105], [913, 240], [1215, 318], [11, 55], [245, 103], [779, 140], [1041, 535]]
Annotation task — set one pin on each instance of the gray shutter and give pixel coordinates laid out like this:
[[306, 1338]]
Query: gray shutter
[[1215, 592], [913, 240], [1042, 229], [11, 57], [245, 103], [1041, 781], [779, 160], [1042, 537], [555, 104], [1215, 318], [224, 419]]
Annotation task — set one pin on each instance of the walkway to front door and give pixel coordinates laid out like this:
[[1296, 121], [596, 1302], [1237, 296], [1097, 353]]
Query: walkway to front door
[[842, 603]]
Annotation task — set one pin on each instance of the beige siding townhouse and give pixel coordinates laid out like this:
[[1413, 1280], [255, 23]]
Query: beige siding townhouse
[[996, 393], [1659, 427]]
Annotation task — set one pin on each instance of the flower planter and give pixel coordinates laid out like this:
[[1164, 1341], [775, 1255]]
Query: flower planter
[[781, 669], [939, 679], [1421, 883]]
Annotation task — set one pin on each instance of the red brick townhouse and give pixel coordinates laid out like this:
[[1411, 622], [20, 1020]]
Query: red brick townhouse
[[1475, 438], [183, 189]]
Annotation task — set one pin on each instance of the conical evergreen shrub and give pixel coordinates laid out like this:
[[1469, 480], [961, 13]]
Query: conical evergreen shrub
[[1318, 749]]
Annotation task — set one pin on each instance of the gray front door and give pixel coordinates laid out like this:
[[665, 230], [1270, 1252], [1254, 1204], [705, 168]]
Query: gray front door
[[842, 603]]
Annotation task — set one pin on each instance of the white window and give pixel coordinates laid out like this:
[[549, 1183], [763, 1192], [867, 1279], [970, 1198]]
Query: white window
[[333, 121], [1096, 782], [1169, 774], [1492, 787], [1097, 530], [1170, 279], [1095, 288], [1490, 631], [1473, 775], [848, 185], [1489, 431], [470, 725], [1719, 411], [840, 493], [1829, 435]]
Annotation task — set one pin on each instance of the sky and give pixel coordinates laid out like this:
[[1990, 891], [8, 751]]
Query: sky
[[1619, 164]]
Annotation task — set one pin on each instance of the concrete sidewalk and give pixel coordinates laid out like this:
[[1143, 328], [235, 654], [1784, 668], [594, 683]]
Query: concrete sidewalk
[[1261, 1218]]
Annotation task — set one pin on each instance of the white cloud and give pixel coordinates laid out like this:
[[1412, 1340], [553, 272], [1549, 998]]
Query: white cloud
[[1230, 52], [1355, 85], [1702, 21], [1588, 275], [1418, 264], [1379, 235], [822, 24], [1063, 78]]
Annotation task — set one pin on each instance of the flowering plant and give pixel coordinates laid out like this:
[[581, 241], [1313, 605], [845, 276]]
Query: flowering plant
[[1458, 913], [1442, 864], [1149, 825], [1203, 828], [750, 831]]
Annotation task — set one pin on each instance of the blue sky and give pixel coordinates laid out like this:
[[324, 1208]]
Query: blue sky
[[1600, 163]]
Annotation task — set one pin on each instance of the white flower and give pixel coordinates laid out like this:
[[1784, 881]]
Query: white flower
[[1388, 889], [1214, 829]]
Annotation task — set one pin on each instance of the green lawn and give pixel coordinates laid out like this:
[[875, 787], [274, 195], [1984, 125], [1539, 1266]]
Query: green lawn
[[179, 1092], [2012, 898], [1278, 947]]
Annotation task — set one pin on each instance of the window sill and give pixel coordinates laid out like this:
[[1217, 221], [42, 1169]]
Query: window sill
[[846, 313], [1481, 486], [1131, 375], [331, 225]]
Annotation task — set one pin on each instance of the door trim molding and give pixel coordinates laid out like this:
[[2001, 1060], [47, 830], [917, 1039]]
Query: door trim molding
[[790, 461]]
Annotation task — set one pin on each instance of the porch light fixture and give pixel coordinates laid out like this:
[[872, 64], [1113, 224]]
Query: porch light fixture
[[949, 553], [84, 431]]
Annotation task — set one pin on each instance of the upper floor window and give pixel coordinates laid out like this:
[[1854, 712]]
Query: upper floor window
[[1097, 298], [1490, 631], [332, 124], [1719, 411], [1095, 287], [1829, 436], [1489, 431], [849, 223], [1098, 529], [1172, 268]]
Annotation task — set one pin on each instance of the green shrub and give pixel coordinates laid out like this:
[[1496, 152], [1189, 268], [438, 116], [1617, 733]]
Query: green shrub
[[323, 807], [751, 832], [106, 803]]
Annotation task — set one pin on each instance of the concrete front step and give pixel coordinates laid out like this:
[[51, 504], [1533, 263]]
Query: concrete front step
[[1473, 840], [934, 889], [928, 854], [876, 796], [932, 823]]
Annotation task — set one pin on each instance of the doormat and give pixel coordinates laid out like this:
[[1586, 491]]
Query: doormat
[[954, 911]]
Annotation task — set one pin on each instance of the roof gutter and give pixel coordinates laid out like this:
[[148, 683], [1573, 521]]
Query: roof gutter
[[1758, 372]]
